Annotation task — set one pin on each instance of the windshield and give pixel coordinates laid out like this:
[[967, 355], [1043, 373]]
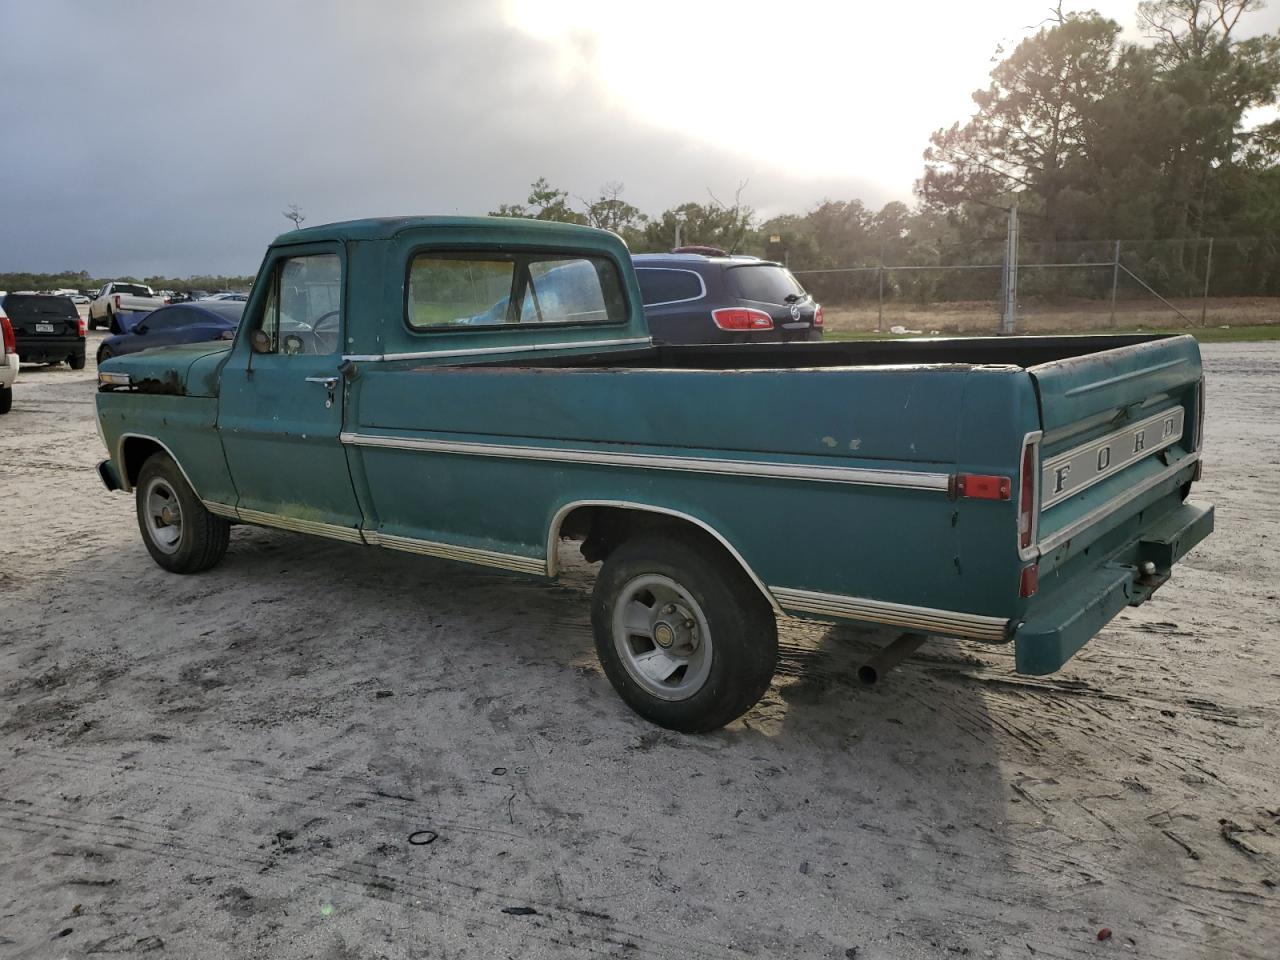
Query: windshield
[[19, 306], [765, 283]]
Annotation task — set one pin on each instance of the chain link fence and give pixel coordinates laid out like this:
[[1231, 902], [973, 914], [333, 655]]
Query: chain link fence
[[1061, 287]]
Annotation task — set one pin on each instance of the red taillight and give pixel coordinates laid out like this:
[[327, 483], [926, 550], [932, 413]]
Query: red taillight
[[979, 486], [1027, 497], [10, 344], [116, 298], [741, 318], [817, 317], [1029, 581], [82, 326]]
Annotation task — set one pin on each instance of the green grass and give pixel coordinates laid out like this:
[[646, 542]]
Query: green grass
[[1243, 334]]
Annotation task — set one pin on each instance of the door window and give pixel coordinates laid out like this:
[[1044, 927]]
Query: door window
[[303, 307]]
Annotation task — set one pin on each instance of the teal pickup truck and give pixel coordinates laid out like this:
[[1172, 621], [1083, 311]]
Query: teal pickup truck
[[483, 389]]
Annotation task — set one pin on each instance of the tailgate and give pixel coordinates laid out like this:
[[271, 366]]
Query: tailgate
[[1121, 431]]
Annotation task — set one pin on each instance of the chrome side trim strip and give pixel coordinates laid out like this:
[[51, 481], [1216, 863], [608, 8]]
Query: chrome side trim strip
[[553, 536], [948, 623], [753, 468], [316, 527], [449, 551], [1058, 538], [486, 351], [221, 509]]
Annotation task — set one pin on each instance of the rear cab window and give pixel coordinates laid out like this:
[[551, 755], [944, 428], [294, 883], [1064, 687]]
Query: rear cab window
[[764, 283], [663, 285], [448, 290]]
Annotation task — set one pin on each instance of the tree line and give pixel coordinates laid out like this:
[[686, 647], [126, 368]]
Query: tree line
[[1093, 138], [81, 280]]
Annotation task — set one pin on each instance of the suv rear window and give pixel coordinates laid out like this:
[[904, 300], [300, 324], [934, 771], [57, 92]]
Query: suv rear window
[[764, 282], [21, 306], [668, 286]]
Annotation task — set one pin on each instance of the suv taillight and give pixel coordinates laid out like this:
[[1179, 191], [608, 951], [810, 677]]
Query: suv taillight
[[741, 318], [10, 345], [82, 326], [817, 316], [1027, 496]]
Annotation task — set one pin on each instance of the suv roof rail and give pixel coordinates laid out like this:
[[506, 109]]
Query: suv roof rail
[[703, 250]]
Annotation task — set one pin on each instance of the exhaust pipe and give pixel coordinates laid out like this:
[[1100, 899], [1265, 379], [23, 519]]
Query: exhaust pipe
[[888, 658]]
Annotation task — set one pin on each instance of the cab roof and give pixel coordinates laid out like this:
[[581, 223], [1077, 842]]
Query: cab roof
[[385, 228]]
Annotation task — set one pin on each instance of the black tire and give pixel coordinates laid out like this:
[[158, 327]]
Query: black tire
[[104, 353], [741, 625], [76, 363], [198, 539], [6, 399]]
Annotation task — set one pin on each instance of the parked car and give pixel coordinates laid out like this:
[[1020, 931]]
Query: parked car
[[8, 361], [711, 297], [79, 299], [227, 295], [117, 297], [177, 323], [1018, 489], [47, 329]]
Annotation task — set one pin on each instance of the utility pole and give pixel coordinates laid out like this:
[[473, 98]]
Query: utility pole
[[1115, 281], [1208, 266], [1010, 274]]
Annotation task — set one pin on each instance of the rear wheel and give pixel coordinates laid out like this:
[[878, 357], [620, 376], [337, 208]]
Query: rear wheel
[[104, 353], [6, 399], [76, 362], [684, 636], [180, 534]]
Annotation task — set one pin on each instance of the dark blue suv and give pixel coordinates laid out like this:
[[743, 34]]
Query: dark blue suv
[[711, 297]]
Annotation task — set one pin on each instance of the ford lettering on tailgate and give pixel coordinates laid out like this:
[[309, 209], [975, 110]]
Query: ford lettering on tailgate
[[1069, 473]]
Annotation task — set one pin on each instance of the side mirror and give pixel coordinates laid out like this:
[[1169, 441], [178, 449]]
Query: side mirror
[[140, 328], [260, 341]]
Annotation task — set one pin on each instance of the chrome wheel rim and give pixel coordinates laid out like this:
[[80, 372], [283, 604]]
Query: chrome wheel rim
[[163, 515], [661, 636]]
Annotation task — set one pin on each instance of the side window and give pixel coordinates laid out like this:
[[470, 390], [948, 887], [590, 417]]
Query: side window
[[166, 320], [496, 289], [668, 286], [303, 306]]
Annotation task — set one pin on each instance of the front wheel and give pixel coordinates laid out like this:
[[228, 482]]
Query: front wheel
[[104, 353], [180, 534], [684, 636]]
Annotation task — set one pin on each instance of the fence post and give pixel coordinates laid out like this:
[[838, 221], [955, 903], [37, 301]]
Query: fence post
[[1115, 282], [1010, 274], [880, 276], [1208, 266]]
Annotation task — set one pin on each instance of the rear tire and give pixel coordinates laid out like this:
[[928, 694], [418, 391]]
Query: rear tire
[[104, 353], [76, 363], [684, 636], [179, 533], [6, 399]]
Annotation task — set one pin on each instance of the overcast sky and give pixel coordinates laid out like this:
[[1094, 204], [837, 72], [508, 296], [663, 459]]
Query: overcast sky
[[167, 137]]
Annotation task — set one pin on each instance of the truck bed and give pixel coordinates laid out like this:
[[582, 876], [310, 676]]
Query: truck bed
[[1005, 351]]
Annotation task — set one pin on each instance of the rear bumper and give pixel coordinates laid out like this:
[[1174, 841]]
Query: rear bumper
[[1061, 623], [107, 474], [47, 349]]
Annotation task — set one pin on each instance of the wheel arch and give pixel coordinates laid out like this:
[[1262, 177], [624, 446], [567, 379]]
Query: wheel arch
[[132, 451], [679, 517]]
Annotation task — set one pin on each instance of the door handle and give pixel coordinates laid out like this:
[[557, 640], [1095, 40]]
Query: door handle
[[329, 382]]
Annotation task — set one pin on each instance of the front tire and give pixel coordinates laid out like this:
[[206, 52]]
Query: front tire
[[684, 636], [104, 353], [179, 533]]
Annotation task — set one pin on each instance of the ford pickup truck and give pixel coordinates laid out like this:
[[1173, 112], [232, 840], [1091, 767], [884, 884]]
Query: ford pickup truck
[[116, 298], [481, 390]]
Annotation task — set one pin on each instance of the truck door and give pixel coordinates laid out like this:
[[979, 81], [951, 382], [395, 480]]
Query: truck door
[[280, 403]]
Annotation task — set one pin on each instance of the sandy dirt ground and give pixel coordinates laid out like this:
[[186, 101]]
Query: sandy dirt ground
[[318, 750]]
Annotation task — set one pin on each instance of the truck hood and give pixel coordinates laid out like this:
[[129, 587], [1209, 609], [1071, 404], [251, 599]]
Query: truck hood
[[186, 370]]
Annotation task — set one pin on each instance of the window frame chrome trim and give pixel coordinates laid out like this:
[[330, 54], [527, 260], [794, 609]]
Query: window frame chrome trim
[[484, 351]]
